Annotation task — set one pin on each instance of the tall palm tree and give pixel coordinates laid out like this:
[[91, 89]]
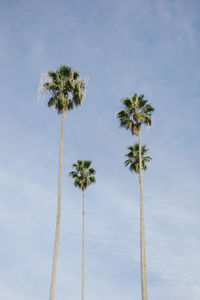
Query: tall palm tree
[[83, 176], [65, 89], [135, 113]]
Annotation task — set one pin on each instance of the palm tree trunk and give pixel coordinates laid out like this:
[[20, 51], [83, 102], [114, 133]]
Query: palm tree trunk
[[83, 249], [142, 230], [56, 244]]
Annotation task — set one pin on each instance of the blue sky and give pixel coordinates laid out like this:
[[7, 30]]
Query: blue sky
[[149, 47]]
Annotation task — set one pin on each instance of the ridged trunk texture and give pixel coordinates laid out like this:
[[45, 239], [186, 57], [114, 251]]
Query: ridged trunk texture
[[57, 234], [142, 230], [83, 249]]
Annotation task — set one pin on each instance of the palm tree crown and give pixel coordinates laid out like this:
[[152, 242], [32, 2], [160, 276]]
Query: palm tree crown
[[83, 175], [133, 158], [65, 88], [136, 111]]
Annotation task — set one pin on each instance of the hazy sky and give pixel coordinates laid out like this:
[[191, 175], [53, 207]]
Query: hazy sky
[[122, 47]]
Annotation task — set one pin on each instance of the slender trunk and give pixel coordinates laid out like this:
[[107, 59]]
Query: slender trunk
[[56, 244], [142, 230], [83, 249]]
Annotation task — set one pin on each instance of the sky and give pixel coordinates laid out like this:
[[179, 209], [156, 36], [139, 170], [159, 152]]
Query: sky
[[122, 47]]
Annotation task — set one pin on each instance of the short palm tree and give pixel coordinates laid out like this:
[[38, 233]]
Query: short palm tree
[[65, 89], [135, 113], [83, 176], [133, 158]]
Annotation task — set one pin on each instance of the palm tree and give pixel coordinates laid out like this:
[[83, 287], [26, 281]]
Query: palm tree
[[133, 160], [65, 89], [135, 113], [83, 176]]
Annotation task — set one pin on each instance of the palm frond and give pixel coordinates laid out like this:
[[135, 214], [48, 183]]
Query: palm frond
[[92, 171], [92, 179], [86, 164], [141, 102], [127, 102]]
